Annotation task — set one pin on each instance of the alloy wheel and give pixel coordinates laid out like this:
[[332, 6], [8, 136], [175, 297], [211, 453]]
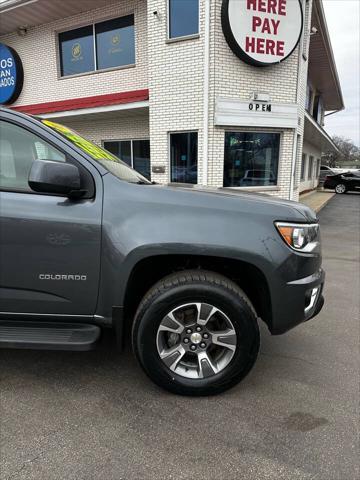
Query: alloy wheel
[[196, 340], [340, 188]]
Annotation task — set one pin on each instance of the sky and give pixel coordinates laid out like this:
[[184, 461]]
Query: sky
[[343, 19]]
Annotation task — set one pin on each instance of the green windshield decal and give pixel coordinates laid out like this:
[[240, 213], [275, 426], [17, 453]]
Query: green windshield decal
[[91, 149]]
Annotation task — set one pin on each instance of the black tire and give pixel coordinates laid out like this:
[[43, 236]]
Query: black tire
[[340, 188], [196, 286]]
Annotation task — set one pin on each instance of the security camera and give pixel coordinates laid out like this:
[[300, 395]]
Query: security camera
[[313, 31]]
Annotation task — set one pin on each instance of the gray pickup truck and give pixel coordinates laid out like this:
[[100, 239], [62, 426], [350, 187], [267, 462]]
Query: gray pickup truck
[[185, 274]]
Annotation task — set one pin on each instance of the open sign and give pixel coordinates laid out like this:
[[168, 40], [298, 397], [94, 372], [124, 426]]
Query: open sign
[[262, 32]]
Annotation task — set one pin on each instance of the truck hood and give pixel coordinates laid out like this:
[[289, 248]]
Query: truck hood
[[251, 197]]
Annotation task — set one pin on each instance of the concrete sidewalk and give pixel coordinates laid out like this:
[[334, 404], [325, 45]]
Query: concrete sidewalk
[[316, 199]]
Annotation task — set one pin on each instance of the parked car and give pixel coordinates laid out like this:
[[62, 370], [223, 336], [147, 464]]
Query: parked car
[[344, 182], [325, 171], [185, 274]]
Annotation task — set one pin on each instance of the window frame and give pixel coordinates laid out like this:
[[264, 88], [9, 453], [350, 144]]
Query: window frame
[[86, 24], [303, 166], [183, 37], [131, 140], [174, 132], [257, 188], [68, 159], [310, 174]]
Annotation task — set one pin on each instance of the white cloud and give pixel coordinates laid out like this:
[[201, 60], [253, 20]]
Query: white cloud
[[343, 19]]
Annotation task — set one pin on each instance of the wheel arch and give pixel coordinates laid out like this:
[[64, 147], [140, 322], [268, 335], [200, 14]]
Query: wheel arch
[[149, 270]]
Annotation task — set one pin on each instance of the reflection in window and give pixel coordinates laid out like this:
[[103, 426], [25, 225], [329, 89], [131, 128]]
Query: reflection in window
[[251, 159], [136, 153], [183, 18], [115, 42], [18, 149], [77, 51], [183, 157]]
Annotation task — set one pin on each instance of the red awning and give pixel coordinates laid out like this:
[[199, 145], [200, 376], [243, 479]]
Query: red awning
[[85, 102]]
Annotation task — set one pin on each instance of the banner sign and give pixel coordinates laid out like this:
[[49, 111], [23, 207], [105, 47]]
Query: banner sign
[[11, 75], [262, 32]]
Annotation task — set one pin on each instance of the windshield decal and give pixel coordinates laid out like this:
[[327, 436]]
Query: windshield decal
[[97, 153]]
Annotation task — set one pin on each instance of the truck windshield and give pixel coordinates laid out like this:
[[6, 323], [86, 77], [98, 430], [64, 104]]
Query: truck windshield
[[112, 163]]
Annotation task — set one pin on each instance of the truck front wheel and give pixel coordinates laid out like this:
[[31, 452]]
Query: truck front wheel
[[196, 333]]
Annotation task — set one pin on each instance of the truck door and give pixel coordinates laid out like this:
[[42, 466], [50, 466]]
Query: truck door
[[49, 244]]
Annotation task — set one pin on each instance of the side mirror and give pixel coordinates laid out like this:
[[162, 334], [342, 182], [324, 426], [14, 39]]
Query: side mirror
[[54, 177]]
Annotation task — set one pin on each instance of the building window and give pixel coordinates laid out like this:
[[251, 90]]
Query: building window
[[310, 168], [136, 153], [115, 42], [183, 18], [309, 96], [303, 167], [318, 110], [104, 45], [183, 157], [251, 159], [77, 51]]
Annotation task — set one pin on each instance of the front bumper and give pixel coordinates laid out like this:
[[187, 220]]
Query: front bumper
[[301, 300]]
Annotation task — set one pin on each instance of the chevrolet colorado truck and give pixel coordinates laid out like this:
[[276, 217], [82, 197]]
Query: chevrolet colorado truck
[[185, 274]]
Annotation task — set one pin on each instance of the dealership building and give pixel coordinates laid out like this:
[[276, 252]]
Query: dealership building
[[221, 93]]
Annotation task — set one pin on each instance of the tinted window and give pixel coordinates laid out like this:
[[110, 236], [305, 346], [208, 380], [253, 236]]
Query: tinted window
[[77, 51], [18, 149], [311, 166], [183, 157], [251, 159], [121, 150], [303, 166], [141, 157], [183, 18], [115, 42], [136, 153]]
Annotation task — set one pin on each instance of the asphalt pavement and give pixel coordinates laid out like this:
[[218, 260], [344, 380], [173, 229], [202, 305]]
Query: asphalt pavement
[[95, 415]]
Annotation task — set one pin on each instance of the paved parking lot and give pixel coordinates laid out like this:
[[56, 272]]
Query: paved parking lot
[[96, 416]]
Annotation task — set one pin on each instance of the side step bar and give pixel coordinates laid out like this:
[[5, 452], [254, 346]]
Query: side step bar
[[48, 336]]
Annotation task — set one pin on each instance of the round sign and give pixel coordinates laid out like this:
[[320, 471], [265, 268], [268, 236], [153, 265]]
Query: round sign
[[11, 75], [262, 32]]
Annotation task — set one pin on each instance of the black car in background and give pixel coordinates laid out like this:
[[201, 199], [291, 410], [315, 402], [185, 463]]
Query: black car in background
[[343, 182]]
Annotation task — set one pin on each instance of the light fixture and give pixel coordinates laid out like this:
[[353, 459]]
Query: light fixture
[[260, 97]]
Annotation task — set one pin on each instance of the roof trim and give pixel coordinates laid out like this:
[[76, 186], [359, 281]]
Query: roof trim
[[320, 130], [96, 110], [326, 36], [85, 102]]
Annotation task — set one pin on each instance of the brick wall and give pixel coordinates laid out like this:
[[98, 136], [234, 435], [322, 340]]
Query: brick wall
[[117, 127], [176, 85]]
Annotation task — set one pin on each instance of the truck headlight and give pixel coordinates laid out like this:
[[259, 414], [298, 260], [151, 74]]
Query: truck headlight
[[300, 237]]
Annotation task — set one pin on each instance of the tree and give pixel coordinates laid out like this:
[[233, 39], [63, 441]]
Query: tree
[[349, 154]]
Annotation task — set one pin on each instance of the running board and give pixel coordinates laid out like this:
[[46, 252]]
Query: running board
[[48, 335]]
